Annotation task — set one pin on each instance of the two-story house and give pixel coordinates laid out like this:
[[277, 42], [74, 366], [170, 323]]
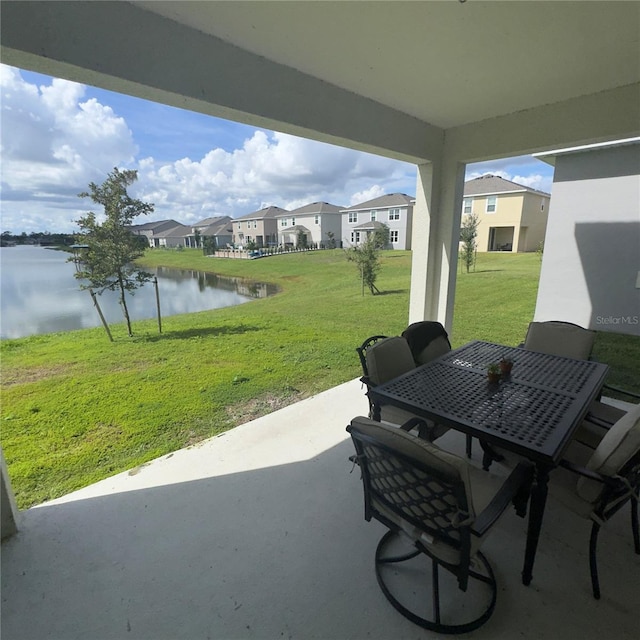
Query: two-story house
[[259, 227], [319, 222], [511, 217], [395, 210]]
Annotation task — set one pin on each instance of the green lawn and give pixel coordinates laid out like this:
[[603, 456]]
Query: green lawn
[[77, 408]]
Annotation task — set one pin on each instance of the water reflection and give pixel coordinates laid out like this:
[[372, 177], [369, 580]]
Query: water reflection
[[39, 294]]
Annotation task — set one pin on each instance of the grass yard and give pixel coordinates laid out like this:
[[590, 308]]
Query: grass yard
[[77, 408]]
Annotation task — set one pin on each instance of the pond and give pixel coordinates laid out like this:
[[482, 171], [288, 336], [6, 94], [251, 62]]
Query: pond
[[39, 294]]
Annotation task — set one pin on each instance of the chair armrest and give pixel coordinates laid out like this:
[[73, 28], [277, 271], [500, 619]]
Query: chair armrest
[[414, 422], [586, 473], [519, 477], [624, 392]]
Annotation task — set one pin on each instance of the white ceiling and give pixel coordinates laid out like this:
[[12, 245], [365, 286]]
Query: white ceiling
[[444, 62]]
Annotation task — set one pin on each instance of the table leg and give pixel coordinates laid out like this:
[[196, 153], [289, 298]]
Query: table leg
[[536, 511], [375, 411]]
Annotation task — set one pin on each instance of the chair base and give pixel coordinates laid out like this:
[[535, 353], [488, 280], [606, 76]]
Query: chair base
[[427, 600]]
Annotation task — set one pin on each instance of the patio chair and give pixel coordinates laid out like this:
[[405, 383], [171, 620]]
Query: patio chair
[[384, 358], [428, 340], [435, 504], [560, 339], [596, 484]]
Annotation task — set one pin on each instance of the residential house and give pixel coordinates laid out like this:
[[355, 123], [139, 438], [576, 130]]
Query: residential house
[[319, 222], [591, 265], [219, 228], [175, 236], [151, 230], [395, 210], [511, 217], [260, 227]]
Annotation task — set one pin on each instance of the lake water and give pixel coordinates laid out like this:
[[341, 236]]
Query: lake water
[[39, 294]]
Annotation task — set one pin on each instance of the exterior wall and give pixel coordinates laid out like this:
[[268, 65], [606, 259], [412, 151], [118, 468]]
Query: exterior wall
[[263, 232], [506, 218], [591, 265], [403, 226], [535, 215]]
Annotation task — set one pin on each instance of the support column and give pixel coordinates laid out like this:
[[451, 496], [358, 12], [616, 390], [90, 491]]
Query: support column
[[435, 240], [9, 521]]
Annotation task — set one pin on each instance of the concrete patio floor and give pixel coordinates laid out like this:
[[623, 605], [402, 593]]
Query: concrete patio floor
[[259, 533]]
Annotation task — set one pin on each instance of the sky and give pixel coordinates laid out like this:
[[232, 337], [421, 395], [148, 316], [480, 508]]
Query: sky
[[58, 136]]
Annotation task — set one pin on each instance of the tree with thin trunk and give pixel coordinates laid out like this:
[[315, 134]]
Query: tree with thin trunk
[[111, 248], [367, 258], [468, 236]]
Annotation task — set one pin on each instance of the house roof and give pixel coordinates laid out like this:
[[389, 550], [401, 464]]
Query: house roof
[[262, 214], [221, 228], [150, 226], [179, 231], [382, 202], [316, 207], [372, 225], [296, 228], [213, 220], [489, 184]]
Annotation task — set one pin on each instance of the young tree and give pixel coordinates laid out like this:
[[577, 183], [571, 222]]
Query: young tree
[[468, 235], [301, 239], [367, 258], [107, 262]]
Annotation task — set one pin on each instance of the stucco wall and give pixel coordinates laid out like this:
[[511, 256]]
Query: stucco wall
[[591, 266]]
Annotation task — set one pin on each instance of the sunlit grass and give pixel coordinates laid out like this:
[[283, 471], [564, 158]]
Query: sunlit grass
[[77, 408]]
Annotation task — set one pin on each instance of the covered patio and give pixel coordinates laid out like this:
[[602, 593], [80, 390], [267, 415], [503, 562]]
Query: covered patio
[[259, 533]]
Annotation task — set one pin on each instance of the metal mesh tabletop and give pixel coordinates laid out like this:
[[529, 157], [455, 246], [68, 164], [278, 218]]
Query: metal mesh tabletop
[[533, 411]]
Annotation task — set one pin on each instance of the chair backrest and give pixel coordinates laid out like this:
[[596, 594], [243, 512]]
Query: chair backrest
[[362, 350], [427, 340], [618, 446], [412, 485], [560, 339], [387, 359]]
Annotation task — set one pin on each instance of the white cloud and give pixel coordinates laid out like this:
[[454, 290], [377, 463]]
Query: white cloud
[[53, 145], [57, 138]]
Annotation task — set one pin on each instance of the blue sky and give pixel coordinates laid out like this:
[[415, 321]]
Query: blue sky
[[58, 136]]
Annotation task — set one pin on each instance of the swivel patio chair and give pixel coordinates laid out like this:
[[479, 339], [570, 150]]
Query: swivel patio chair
[[560, 339], [435, 504], [382, 359], [596, 484], [573, 341], [428, 340]]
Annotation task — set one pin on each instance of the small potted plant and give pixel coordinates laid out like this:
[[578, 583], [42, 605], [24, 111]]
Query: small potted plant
[[506, 364], [493, 372]]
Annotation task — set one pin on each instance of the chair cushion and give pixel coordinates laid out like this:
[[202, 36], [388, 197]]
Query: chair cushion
[[560, 339], [616, 448], [388, 358], [433, 350]]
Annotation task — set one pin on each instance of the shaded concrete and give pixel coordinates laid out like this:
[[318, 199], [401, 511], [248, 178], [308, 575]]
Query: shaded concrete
[[259, 533]]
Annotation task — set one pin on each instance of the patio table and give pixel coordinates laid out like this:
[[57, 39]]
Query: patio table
[[532, 412]]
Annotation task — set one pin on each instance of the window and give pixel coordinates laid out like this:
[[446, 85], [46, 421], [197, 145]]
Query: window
[[353, 216], [293, 221], [374, 213], [393, 235], [541, 204], [466, 205], [492, 201], [317, 219], [394, 214], [355, 237]]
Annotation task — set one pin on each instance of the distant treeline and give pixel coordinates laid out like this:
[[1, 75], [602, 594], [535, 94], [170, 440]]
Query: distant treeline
[[43, 238]]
